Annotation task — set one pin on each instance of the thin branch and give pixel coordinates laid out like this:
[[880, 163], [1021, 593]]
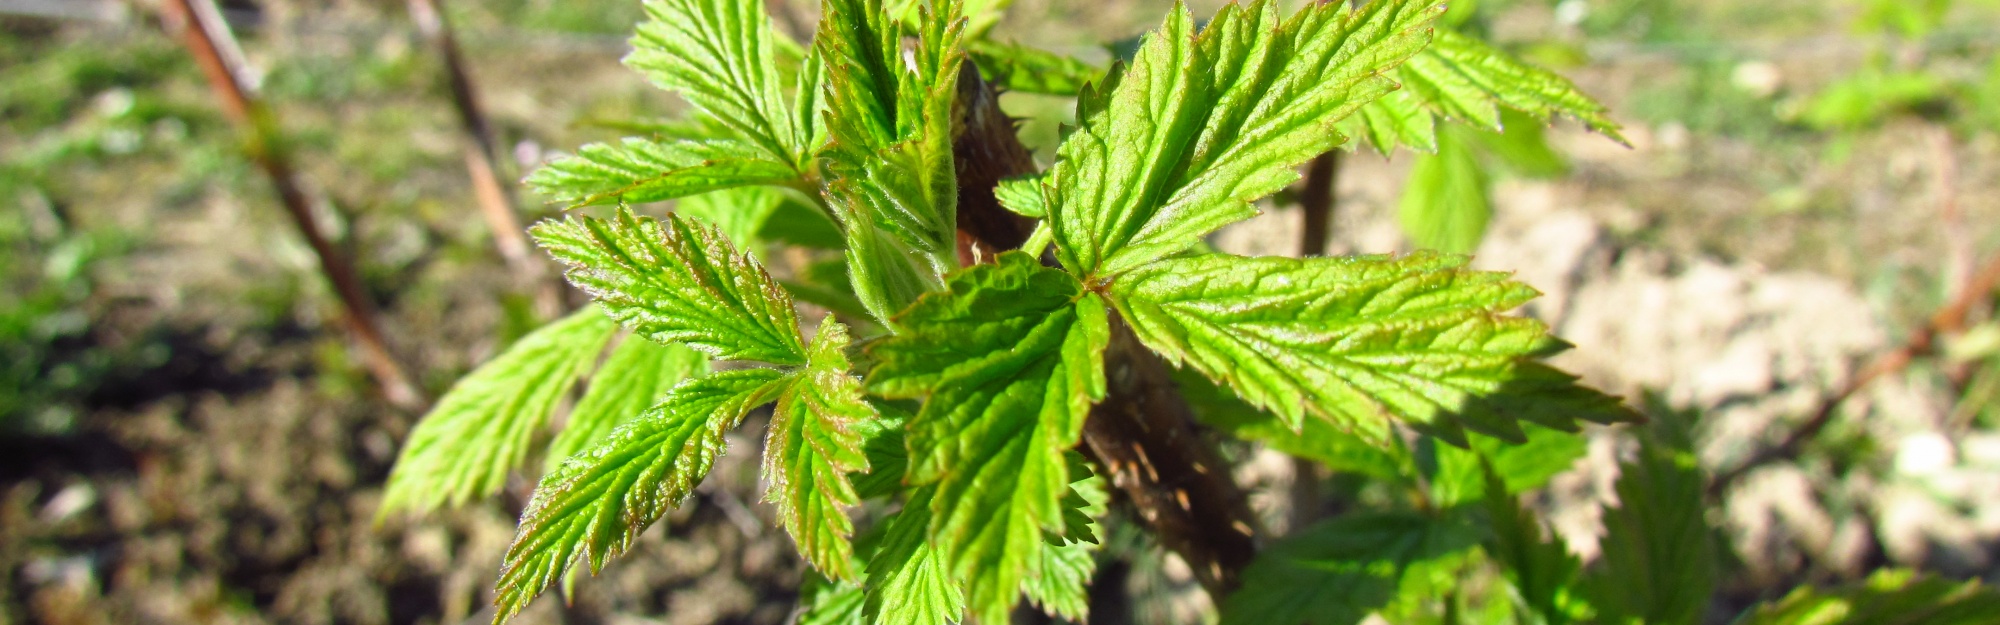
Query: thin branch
[[496, 203], [1922, 342], [214, 48], [1143, 436], [1316, 201]]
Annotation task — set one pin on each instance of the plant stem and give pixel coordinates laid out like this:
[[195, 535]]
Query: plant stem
[[496, 203], [1316, 201], [214, 48], [1143, 436]]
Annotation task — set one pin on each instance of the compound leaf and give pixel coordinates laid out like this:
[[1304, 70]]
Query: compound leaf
[[815, 440], [677, 281], [483, 426], [1361, 340], [1201, 124], [644, 170], [719, 55], [598, 502], [636, 376], [1011, 360]]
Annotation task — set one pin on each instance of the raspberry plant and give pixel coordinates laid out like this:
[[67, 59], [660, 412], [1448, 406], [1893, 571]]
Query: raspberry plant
[[1014, 353]]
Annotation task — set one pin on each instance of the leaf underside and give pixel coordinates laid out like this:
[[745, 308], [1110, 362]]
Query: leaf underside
[[482, 428]]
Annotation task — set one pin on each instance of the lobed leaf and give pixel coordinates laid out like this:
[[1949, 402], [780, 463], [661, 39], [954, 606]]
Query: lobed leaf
[[593, 506], [645, 170], [1360, 341], [636, 376], [677, 282], [719, 55], [815, 440], [1011, 360], [1201, 124], [482, 428]]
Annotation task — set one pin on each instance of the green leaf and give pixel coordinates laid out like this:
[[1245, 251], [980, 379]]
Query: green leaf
[[644, 170], [1464, 79], [1444, 205], [1059, 581], [1011, 360], [482, 428], [1024, 195], [1399, 117], [1337, 572], [1523, 148], [1316, 439], [891, 155], [909, 579], [719, 56], [636, 376], [739, 213], [888, 456], [598, 502], [1361, 340], [892, 177], [822, 602], [1202, 124], [1888, 597], [677, 282], [1540, 571], [1015, 67], [815, 440], [886, 275], [1659, 563], [1460, 474]]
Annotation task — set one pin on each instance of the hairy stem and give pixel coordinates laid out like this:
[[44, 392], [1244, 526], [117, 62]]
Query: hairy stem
[[1143, 436], [214, 48]]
